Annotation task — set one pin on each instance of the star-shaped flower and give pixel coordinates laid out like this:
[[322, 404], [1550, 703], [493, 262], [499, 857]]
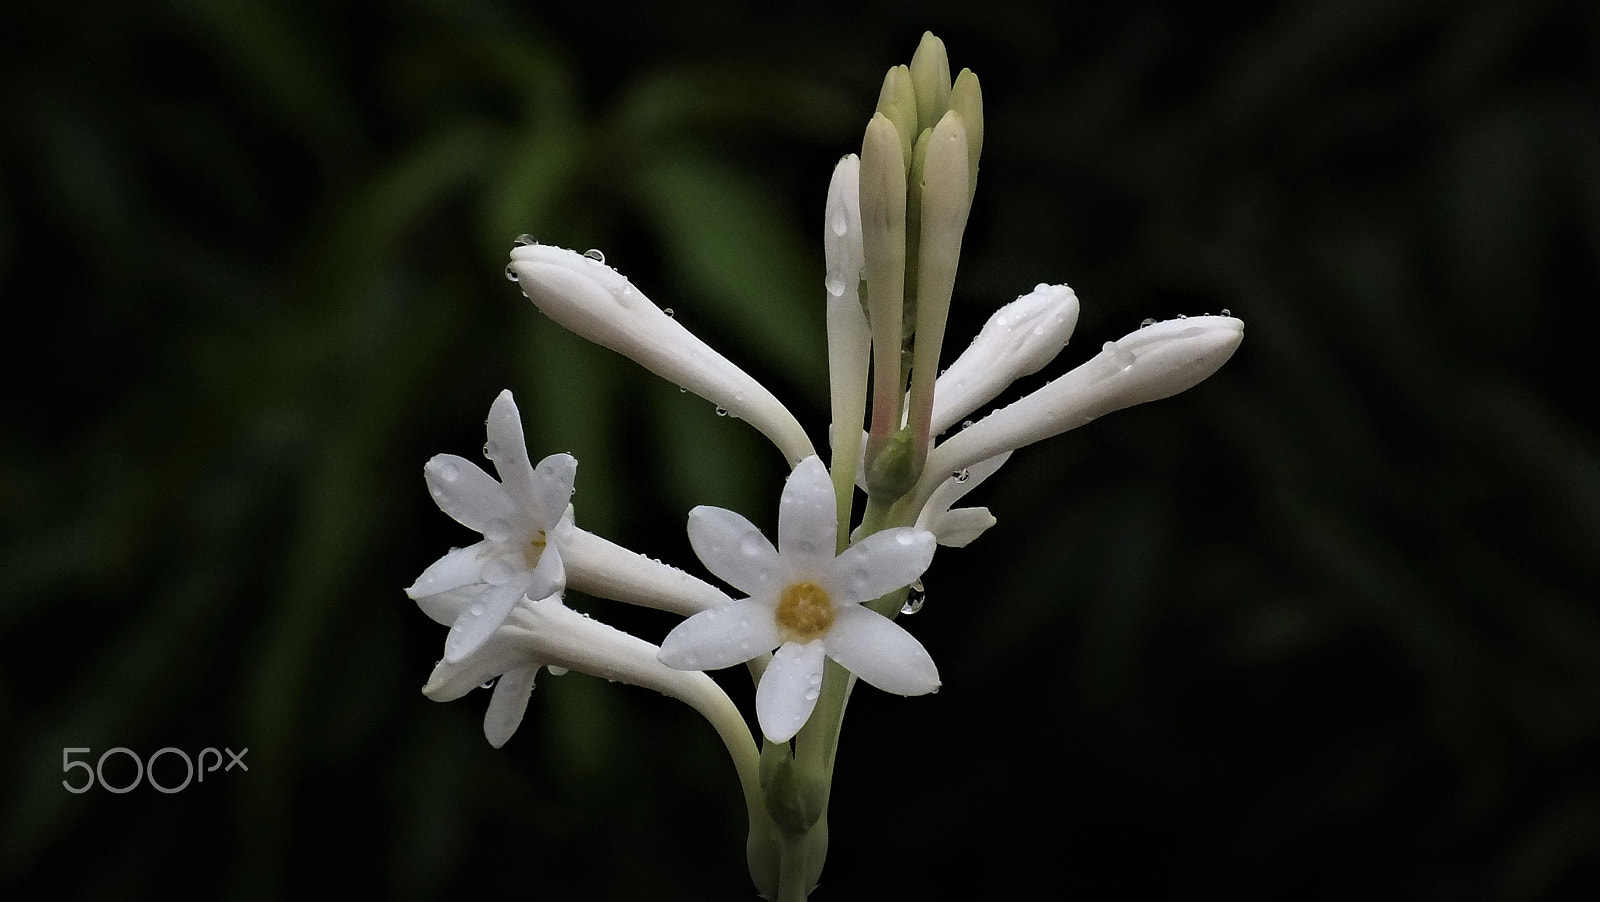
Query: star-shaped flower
[[804, 601], [473, 589]]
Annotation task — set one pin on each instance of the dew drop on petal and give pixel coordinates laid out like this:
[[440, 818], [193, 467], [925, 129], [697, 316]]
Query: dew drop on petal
[[811, 695], [1226, 312], [835, 285], [906, 537], [751, 545], [839, 223], [487, 684], [1183, 316], [476, 609], [914, 599], [1147, 322], [449, 471], [961, 475], [497, 530], [511, 274], [595, 254], [556, 671], [722, 411], [526, 240], [668, 312]]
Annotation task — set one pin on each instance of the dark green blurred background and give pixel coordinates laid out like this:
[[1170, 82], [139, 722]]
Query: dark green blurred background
[[1327, 627]]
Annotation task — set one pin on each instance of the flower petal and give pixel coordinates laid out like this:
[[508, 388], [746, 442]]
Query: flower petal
[[722, 637], [807, 516], [508, 448], [880, 651], [733, 549], [957, 528], [458, 568], [481, 618], [549, 576], [879, 564], [789, 689], [470, 495], [508, 703]]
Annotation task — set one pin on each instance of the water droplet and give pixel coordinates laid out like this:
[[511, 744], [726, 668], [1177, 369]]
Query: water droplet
[[839, 223], [668, 312], [1226, 312], [595, 254], [752, 545], [1041, 287], [1148, 321], [449, 471], [682, 390], [961, 475], [490, 449], [526, 240], [835, 285], [497, 530], [511, 274], [811, 695], [556, 671], [906, 536], [488, 684], [965, 424], [722, 411], [1183, 316], [476, 609], [915, 599], [816, 679]]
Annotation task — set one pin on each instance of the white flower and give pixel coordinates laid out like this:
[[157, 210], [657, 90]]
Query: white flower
[[593, 300], [473, 589], [547, 633], [1018, 340], [1152, 363], [804, 601]]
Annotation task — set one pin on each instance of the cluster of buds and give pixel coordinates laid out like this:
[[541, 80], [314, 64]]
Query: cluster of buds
[[816, 610]]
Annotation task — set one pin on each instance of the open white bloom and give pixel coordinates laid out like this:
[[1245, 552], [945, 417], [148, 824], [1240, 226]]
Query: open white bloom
[[473, 589], [595, 301], [804, 601], [547, 633]]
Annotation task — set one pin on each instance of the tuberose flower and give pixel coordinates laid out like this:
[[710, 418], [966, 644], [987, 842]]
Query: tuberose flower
[[595, 301], [473, 589], [804, 601], [547, 633]]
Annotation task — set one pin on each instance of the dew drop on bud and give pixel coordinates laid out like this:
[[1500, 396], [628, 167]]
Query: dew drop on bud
[[1226, 312], [511, 274], [668, 312], [839, 223], [595, 254], [526, 240], [1148, 321]]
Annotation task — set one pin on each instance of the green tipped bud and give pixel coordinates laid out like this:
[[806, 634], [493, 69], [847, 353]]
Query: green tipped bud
[[897, 101], [966, 98], [946, 198], [894, 469], [930, 75]]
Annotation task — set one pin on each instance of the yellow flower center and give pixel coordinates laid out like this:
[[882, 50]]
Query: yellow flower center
[[804, 611], [535, 549]]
